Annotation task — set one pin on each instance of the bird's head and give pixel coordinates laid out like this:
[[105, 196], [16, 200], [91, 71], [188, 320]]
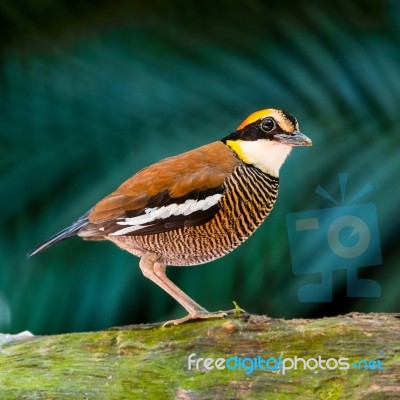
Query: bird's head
[[265, 139]]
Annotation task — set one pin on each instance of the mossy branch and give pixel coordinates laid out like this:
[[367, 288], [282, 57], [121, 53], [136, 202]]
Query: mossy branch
[[149, 361]]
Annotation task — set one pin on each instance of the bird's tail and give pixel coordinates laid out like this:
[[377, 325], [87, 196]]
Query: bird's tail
[[64, 234]]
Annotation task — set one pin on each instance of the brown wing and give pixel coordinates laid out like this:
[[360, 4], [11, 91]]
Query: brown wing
[[194, 175]]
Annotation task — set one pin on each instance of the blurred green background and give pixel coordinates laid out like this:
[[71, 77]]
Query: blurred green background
[[92, 91]]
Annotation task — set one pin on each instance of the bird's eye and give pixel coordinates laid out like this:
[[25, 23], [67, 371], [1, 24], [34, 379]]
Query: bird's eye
[[267, 124]]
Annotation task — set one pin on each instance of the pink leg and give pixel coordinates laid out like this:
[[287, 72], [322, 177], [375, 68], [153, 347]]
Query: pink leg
[[153, 269]]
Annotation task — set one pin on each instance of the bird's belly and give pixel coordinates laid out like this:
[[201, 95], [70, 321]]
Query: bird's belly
[[248, 199], [203, 243]]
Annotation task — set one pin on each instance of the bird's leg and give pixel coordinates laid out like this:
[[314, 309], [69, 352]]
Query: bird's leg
[[153, 269]]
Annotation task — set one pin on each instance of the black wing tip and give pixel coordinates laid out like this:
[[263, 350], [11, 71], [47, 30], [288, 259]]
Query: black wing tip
[[32, 253], [38, 249], [64, 234]]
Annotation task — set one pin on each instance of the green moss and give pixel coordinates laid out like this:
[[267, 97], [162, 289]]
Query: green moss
[[152, 362]]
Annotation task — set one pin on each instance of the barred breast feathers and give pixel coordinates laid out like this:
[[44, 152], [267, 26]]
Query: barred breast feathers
[[246, 191], [248, 197], [178, 191]]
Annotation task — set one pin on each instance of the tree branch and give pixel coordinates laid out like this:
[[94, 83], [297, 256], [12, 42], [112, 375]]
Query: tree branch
[[149, 361]]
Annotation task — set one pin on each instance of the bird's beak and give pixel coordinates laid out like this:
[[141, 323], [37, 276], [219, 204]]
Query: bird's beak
[[293, 139]]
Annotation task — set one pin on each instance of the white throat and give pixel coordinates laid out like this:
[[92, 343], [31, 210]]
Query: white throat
[[266, 155]]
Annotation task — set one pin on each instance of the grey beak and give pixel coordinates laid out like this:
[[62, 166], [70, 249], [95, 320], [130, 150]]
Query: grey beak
[[294, 139]]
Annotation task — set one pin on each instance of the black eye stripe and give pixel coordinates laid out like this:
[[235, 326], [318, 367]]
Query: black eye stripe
[[261, 129]]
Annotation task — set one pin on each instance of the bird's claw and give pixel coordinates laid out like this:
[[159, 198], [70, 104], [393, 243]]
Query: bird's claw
[[197, 315]]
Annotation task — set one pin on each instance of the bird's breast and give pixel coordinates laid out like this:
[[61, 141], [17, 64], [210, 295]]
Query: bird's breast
[[248, 198]]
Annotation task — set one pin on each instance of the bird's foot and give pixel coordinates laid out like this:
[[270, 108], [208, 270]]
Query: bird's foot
[[197, 315]]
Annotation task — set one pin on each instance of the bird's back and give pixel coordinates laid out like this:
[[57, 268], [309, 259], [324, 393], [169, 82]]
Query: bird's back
[[191, 208], [249, 195]]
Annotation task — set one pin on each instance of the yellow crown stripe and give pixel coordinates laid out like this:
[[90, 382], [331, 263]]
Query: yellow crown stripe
[[255, 116]]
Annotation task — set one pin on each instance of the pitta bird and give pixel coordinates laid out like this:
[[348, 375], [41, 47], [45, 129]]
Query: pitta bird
[[197, 206]]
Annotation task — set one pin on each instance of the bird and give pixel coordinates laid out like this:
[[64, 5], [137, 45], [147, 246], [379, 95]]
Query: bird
[[197, 206]]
